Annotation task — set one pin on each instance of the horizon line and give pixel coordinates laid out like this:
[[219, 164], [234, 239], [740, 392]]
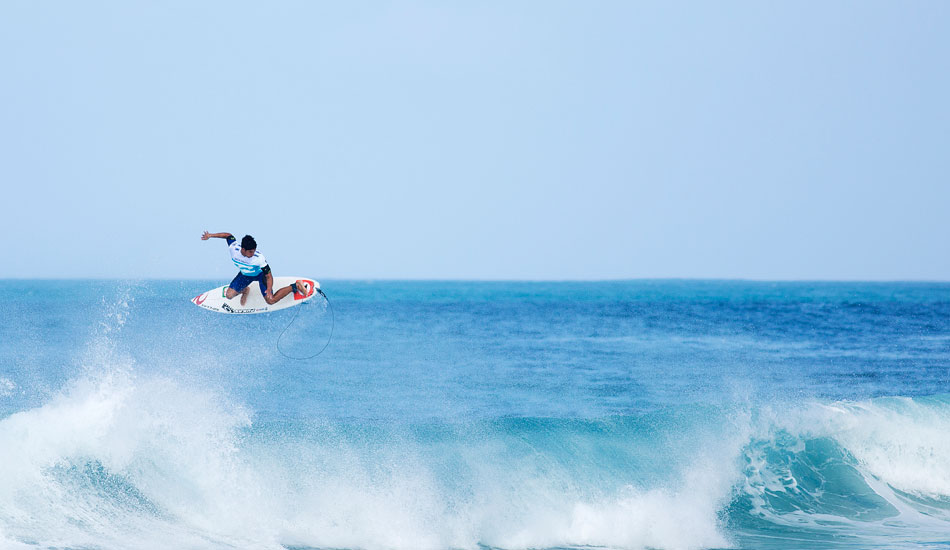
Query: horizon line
[[510, 280]]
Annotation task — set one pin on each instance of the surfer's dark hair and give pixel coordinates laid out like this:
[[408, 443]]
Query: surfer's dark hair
[[248, 243]]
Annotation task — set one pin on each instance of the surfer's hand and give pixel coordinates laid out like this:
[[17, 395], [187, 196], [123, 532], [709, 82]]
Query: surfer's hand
[[205, 236]]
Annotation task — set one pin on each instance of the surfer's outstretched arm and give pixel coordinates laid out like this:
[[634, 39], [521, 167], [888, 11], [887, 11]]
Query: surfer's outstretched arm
[[205, 236]]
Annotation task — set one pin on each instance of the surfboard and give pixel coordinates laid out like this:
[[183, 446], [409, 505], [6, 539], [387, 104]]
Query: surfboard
[[216, 299]]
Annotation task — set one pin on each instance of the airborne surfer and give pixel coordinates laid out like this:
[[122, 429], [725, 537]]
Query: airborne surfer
[[253, 267]]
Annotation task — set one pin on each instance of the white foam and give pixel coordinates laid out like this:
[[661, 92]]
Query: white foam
[[200, 480], [153, 433], [900, 441], [6, 387], [683, 518], [409, 510]]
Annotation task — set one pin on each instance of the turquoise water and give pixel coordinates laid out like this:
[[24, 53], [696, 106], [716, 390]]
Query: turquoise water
[[443, 415]]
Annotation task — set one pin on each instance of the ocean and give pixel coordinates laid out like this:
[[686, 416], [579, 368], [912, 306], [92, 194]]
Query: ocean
[[477, 415]]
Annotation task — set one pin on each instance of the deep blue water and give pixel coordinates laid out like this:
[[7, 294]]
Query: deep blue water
[[443, 415]]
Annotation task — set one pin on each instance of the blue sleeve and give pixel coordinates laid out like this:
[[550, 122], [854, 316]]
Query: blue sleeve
[[230, 239]]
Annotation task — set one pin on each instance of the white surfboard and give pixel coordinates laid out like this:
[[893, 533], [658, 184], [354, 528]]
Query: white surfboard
[[216, 299]]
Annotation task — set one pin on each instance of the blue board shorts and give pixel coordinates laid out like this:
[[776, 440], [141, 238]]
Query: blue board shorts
[[241, 281]]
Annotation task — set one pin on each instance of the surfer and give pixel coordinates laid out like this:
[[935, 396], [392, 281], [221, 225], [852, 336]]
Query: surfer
[[253, 267]]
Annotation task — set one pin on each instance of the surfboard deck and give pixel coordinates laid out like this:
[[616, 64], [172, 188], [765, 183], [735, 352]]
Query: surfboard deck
[[216, 300]]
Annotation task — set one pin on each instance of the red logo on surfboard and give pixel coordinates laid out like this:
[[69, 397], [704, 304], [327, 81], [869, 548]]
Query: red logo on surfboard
[[299, 296], [198, 300]]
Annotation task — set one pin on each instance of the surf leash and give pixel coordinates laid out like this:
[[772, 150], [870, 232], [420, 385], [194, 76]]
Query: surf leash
[[296, 313]]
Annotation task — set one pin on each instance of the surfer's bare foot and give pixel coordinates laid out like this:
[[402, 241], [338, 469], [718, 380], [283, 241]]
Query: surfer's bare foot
[[303, 288], [244, 295]]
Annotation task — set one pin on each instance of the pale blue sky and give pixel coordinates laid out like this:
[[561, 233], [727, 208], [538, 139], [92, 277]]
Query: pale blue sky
[[474, 140]]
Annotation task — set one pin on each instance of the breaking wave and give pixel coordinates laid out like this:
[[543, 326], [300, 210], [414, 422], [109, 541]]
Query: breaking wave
[[118, 460]]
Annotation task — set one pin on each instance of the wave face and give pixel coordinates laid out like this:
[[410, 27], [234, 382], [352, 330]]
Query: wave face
[[140, 423]]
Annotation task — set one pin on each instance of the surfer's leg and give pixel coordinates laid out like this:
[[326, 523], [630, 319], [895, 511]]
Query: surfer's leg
[[301, 288], [244, 294], [279, 294], [238, 285]]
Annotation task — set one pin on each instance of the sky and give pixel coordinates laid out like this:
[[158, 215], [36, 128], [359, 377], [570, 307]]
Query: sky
[[477, 140]]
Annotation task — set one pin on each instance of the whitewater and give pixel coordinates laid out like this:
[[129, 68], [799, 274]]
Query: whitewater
[[475, 415]]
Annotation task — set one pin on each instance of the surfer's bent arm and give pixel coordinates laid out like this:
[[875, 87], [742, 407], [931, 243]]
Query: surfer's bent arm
[[268, 279], [205, 236]]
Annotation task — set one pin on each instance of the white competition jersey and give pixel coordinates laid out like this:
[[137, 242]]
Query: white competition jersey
[[248, 266]]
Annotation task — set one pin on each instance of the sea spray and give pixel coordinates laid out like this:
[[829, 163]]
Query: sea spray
[[72, 465], [126, 456]]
